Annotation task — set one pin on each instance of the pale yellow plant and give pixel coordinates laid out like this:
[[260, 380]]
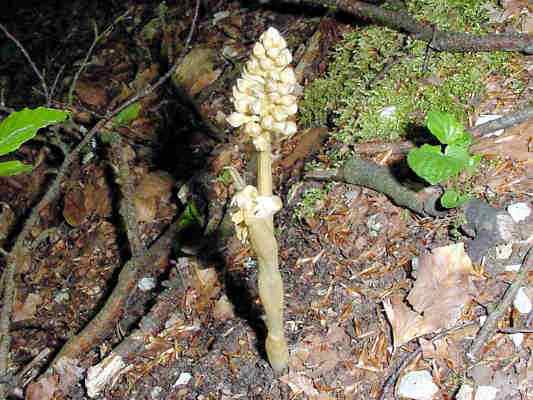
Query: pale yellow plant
[[265, 104]]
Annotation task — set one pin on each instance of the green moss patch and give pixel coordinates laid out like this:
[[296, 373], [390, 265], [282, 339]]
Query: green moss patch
[[381, 82]]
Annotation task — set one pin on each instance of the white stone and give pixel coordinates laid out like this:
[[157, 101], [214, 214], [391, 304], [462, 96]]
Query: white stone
[[183, 379], [466, 392], [147, 283], [417, 385], [522, 302], [513, 267], [388, 112], [486, 393], [517, 339], [519, 211], [504, 251]]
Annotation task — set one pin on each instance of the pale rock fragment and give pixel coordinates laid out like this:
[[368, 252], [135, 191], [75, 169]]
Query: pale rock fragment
[[417, 385], [147, 283], [466, 392], [486, 393], [517, 339], [522, 302], [519, 211], [183, 379]]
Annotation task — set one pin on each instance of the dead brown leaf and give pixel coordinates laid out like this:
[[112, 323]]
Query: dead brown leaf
[[197, 70], [406, 324], [44, 389], [92, 95], [26, 310], [74, 210], [154, 188], [442, 288], [300, 384]]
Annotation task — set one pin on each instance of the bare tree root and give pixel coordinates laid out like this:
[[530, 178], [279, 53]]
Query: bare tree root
[[438, 40], [107, 371], [379, 178], [104, 322], [490, 326], [124, 180]]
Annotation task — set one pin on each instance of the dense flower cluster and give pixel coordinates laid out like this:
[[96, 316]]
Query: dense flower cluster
[[251, 205], [263, 97]]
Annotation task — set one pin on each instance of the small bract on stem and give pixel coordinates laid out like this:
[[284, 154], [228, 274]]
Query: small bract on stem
[[265, 107]]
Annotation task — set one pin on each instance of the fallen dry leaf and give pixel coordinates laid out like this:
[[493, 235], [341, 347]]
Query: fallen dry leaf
[[153, 188], [406, 324], [43, 389], [442, 288], [74, 210], [91, 94], [300, 384], [514, 143], [197, 70], [27, 309]]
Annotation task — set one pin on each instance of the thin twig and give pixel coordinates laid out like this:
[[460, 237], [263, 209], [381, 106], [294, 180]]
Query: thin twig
[[19, 252], [490, 326], [23, 378], [440, 40], [70, 96], [515, 330], [97, 38], [30, 61]]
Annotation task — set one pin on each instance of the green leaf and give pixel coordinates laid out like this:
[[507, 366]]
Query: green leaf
[[8, 168], [444, 126], [127, 115], [190, 216], [459, 153], [21, 126], [464, 140], [430, 164], [452, 198]]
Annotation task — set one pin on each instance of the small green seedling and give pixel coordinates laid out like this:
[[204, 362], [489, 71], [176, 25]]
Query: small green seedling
[[127, 115], [434, 166], [21, 126]]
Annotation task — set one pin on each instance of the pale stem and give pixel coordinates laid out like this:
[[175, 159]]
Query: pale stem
[[270, 286], [264, 172]]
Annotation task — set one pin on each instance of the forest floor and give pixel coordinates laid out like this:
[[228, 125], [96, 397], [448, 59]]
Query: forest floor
[[191, 325]]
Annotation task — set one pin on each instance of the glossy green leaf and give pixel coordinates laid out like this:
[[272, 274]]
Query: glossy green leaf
[[452, 199], [464, 140], [459, 153], [444, 127], [127, 115], [21, 126], [430, 164], [8, 168]]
